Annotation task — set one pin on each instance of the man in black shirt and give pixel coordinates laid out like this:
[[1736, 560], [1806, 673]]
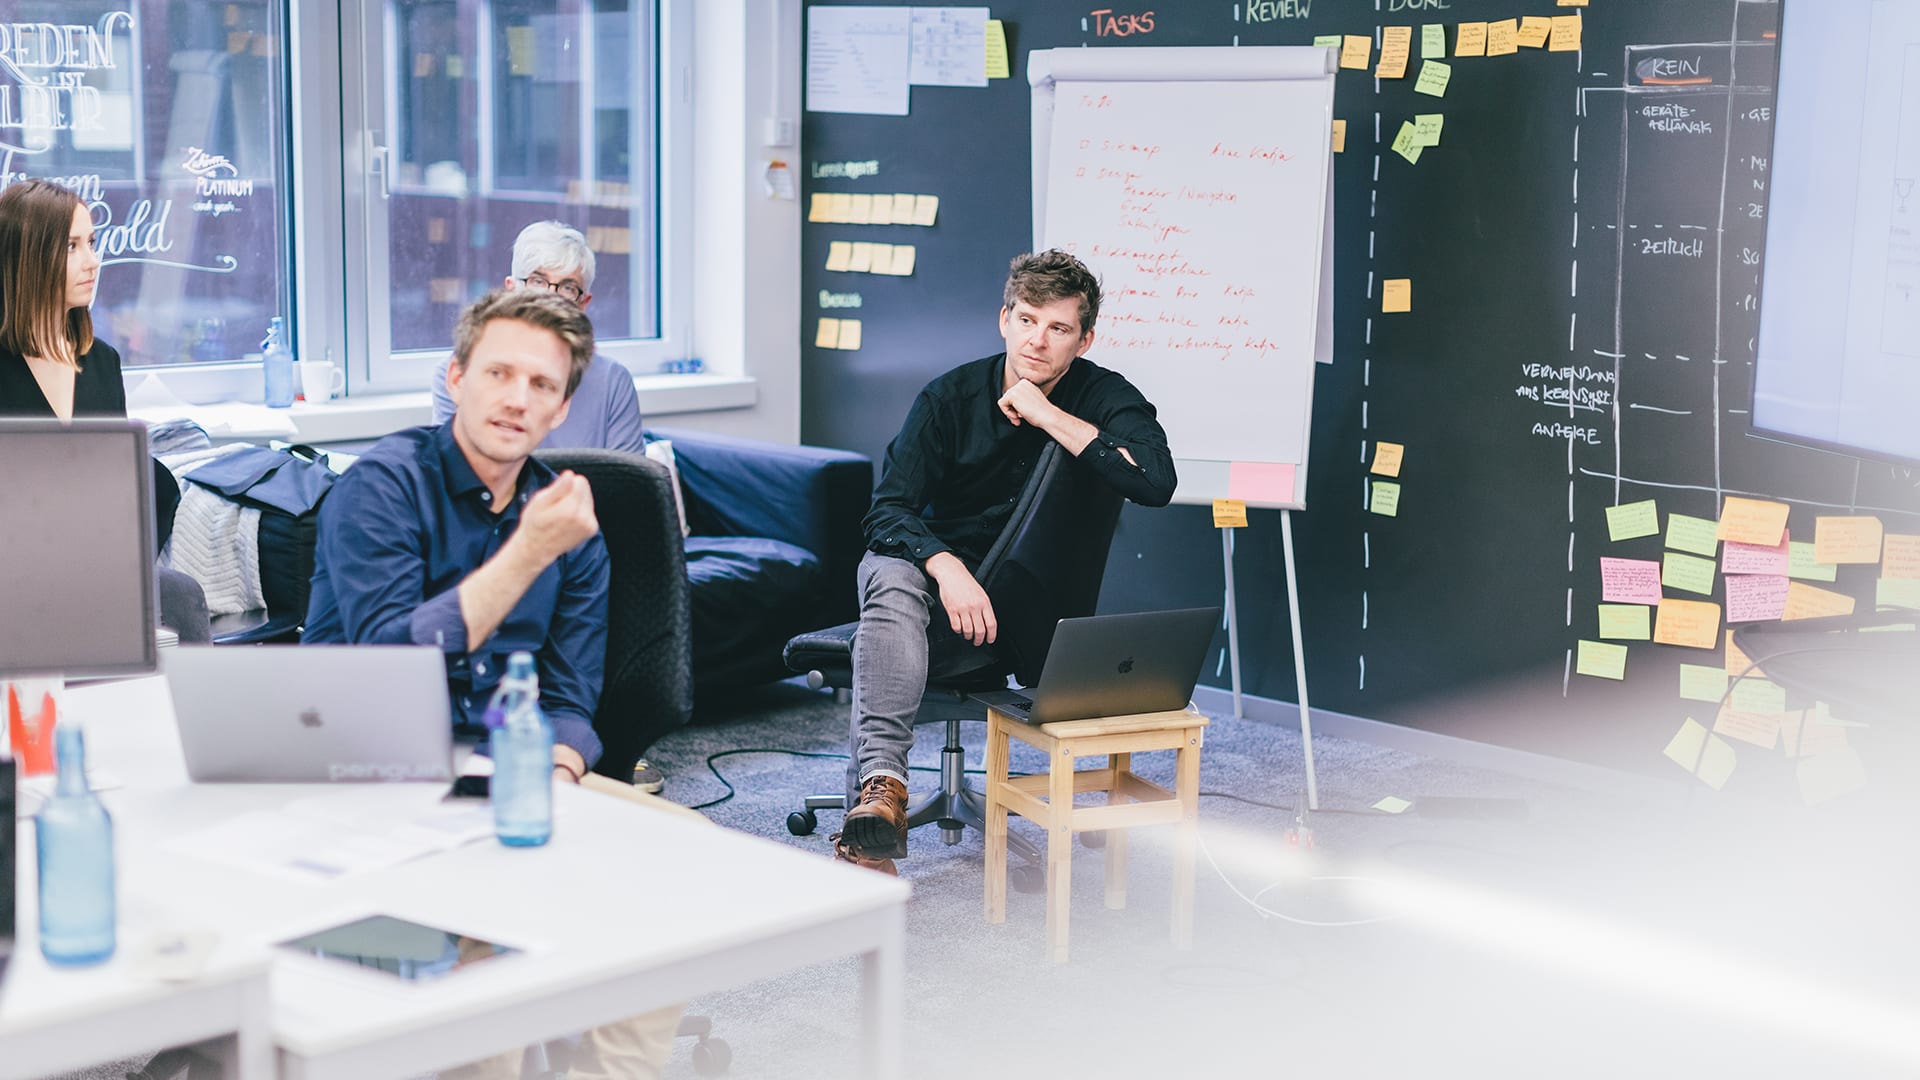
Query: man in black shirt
[[948, 486]]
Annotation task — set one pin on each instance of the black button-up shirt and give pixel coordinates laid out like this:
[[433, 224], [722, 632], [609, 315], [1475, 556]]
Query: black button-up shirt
[[953, 473], [398, 534]]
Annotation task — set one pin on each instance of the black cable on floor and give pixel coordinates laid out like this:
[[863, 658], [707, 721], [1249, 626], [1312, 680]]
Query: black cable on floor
[[714, 769], [1277, 806]]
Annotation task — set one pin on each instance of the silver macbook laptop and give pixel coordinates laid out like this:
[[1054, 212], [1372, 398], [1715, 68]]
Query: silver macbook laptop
[[1115, 665], [307, 714]]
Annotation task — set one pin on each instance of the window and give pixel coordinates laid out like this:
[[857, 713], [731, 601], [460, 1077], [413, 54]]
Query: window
[[371, 203]]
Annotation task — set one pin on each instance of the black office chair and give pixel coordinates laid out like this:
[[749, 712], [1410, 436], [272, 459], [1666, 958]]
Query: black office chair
[[1046, 565]]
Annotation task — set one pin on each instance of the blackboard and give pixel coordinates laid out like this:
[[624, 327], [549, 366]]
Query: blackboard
[[1582, 247]]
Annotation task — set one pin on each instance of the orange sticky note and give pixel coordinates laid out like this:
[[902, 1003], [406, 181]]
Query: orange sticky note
[[1229, 514], [828, 335], [1339, 136], [1760, 729], [1693, 623], [850, 334], [1902, 557], [1397, 295], [1396, 44], [1806, 601], [1566, 34], [1386, 458], [1356, 51], [1753, 521], [819, 206], [1503, 37], [1472, 40], [1846, 539], [1533, 31]]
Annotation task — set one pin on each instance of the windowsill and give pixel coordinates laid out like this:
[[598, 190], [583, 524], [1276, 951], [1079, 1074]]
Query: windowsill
[[370, 416]]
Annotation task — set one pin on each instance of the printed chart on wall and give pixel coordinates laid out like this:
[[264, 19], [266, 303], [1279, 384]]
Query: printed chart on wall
[[1212, 239]]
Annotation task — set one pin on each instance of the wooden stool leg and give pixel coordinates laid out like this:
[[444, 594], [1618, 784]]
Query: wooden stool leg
[[998, 750], [1187, 789], [1118, 765], [1059, 851]]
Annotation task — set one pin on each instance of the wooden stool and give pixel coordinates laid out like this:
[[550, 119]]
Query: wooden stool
[[1048, 800]]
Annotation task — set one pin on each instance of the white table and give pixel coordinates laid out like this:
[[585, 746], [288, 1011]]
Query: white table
[[625, 910]]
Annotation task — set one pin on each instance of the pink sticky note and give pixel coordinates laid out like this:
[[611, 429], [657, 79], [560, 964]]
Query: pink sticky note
[[1754, 597], [1630, 581], [1738, 558], [1259, 482]]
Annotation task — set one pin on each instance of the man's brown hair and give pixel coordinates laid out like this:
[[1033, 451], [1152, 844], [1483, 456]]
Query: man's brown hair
[[535, 307], [1040, 279], [36, 218]]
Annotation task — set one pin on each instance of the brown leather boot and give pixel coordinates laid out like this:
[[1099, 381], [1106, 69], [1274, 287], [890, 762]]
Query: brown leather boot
[[877, 827], [845, 854]]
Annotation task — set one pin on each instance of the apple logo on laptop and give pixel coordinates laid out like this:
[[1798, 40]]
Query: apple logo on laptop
[[310, 718], [1126, 665]]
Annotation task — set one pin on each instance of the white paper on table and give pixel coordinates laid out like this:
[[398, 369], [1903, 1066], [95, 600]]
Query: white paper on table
[[949, 47], [335, 836], [857, 60]]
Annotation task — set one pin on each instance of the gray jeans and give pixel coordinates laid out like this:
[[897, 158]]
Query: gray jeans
[[901, 624]]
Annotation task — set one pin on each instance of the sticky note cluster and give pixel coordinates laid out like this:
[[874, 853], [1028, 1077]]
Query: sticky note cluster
[[860, 257], [850, 208], [1383, 496], [837, 334]]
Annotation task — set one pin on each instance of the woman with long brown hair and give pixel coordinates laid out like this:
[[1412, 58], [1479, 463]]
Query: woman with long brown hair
[[51, 365]]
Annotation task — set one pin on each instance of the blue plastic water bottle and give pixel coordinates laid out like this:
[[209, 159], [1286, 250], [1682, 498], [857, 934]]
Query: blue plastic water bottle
[[277, 360], [522, 786], [75, 840]]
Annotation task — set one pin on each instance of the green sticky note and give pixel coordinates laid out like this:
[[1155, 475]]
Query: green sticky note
[[1697, 535], [1386, 498], [1801, 563], [1426, 128], [1897, 592], [1687, 572], [1601, 660], [1325, 40], [1407, 143], [1751, 695], [1392, 805], [1626, 622], [1433, 42], [1701, 683], [1632, 520], [1434, 77]]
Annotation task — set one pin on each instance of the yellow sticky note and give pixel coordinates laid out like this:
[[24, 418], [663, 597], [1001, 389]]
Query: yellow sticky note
[[1407, 142], [1434, 77], [1699, 682], [926, 208], [1229, 513], [903, 209], [1716, 764], [861, 259], [1756, 695], [1397, 295], [1753, 521], [841, 210], [1685, 747], [1697, 535], [1396, 45], [1566, 34], [1900, 556], [1386, 458], [882, 212], [1339, 136], [1601, 660], [1760, 729], [849, 333], [1503, 37], [1846, 539], [1427, 128], [1392, 805], [1626, 622], [1472, 40], [997, 50], [904, 256], [1571, 3], [1386, 498], [1534, 30], [1629, 521], [1810, 602], [1690, 572], [1433, 42], [1692, 623], [818, 206], [860, 209], [828, 335], [839, 254], [1356, 52], [880, 259], [1830, 775]]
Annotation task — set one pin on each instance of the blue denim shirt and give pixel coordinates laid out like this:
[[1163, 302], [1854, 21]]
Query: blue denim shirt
[[399, 532]]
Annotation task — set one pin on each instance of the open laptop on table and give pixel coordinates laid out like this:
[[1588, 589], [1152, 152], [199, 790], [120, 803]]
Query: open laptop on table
[[1114, 665], [312, 714]]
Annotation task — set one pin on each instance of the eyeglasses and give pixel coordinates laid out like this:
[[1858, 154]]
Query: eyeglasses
[[566, 289]]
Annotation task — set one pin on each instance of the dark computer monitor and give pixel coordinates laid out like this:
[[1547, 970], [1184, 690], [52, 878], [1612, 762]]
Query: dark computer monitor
[[7, 858], [77, 594]]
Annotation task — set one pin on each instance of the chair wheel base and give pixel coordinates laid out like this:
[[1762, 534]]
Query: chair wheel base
[[1028, 878], [1094, 840], [712, 1057], [802, 823]]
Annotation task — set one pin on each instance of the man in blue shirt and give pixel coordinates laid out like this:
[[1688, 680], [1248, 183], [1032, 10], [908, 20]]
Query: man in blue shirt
[[605, 410], [453, 536]]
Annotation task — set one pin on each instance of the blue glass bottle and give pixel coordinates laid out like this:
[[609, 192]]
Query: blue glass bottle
[[522, 786], [74, 836], [277, 363]]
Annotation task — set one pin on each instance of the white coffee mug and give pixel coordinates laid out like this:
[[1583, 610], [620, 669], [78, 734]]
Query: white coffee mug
[[320, 379]]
